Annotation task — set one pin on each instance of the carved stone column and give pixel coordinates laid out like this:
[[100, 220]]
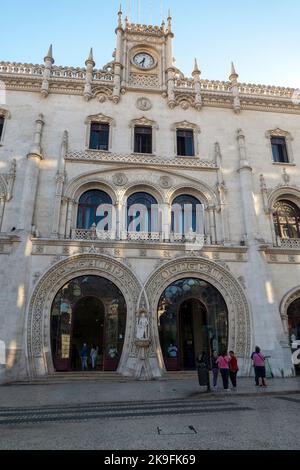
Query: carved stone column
[[31, 178], [117, 63], [70, 209], [60, 179], [246, 184]]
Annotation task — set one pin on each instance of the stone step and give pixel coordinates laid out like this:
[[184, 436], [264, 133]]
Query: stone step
[[98, 376]]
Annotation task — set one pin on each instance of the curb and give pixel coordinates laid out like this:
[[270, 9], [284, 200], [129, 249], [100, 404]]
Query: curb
[[259, 394]]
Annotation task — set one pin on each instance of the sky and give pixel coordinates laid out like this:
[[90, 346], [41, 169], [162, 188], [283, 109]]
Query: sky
[[262, 37]]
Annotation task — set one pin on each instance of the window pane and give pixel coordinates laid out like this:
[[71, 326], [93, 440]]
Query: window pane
[[1, 125], [185, 143], [99, 137], [143, 139], [279, 150]]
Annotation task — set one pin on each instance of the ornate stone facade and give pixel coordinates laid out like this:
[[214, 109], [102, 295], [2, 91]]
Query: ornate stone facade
[[47, 165]]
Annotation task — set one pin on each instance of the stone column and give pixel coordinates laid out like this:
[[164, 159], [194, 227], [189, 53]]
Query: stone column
[[60, 180], [117, 63], [166, 221], [31, 178]]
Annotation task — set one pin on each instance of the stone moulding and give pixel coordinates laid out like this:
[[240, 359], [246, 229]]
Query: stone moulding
[[101, 157]]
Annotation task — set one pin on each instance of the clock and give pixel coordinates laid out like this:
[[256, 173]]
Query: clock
[[143, 60]]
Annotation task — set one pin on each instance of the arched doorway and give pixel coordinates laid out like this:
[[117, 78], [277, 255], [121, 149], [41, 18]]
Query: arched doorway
[[294, 328], [192, 317], [92, 310]]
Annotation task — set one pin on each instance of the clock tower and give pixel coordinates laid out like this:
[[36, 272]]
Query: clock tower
[[143, 58]]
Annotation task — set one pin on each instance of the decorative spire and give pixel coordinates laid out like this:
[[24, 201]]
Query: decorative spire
[[169, 29], [196, 68], [233, 75], [49, 56], [90, 59], [120, 13]]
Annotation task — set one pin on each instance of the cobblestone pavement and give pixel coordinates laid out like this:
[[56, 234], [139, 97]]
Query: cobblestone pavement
[[121, 390], [231, 422]]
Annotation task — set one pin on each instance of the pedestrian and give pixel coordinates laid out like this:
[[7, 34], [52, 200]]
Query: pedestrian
[[84, 352], [215, 369], [94, 355], [259, 367], [74, 357], [233, 369], [223, 363]]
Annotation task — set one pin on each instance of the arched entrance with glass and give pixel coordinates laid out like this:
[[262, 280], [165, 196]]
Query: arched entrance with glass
[[192, 317], [91, 310], [294, 328]]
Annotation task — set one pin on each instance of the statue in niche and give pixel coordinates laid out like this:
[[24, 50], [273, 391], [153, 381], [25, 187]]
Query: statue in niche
[[142, 326]]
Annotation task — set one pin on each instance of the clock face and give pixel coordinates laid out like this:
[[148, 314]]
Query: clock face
[[143, 60]]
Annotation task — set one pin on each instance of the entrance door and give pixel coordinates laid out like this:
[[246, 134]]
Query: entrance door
[[192, 337], [88, 327]]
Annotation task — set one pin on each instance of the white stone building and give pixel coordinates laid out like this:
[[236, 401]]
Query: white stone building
[[138, 131]]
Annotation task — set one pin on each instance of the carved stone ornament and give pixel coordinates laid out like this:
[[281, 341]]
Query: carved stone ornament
[[120, 179], [144, 104], [165, 182]]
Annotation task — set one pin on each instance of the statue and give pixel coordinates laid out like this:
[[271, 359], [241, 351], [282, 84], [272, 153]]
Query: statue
[[142, 326]]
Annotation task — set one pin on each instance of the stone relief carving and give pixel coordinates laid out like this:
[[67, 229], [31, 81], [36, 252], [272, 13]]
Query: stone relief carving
[[120, 179], [143, 80], [144, 104], [165, 182]]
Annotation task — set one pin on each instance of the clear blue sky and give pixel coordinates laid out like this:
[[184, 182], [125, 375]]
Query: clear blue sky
[[262, 37]]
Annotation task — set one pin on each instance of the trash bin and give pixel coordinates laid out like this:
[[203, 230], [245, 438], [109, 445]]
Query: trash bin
[[202, 375]]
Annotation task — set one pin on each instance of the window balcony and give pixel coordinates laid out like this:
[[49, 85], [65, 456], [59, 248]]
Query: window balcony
[[150, 237]]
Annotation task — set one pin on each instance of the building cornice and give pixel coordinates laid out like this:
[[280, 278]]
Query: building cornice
[[71, 81]]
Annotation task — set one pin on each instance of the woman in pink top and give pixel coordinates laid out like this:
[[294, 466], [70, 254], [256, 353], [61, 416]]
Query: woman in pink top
[[259, 367], [223, 363]]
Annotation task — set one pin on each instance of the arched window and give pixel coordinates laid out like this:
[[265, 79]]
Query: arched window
[[142, 213], [286, 216], [187, 214], [89, 203]]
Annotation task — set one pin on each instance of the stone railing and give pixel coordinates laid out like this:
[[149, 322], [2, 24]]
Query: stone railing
[[187, 83], [68, 72], [102, 75], [93, 234], [151, 237], [262, 90], [214, 85], [21, 69], [289, 242], [143, 236]]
